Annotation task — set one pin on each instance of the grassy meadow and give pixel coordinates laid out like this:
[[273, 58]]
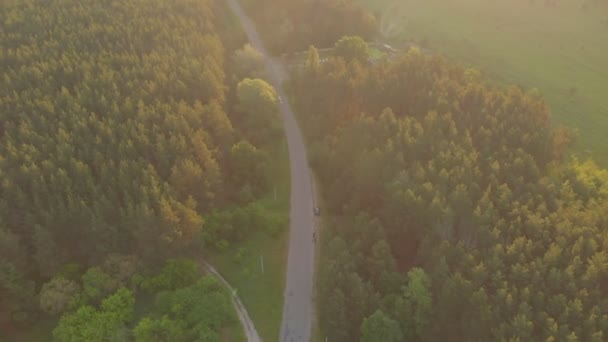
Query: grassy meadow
[[562, 50]]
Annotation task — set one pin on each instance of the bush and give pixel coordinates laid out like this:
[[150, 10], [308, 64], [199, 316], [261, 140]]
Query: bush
[[176, 273], [57, 294], [239, 255], [222, 245]]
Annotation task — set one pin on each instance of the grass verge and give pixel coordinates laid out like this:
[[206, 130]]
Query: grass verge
[[241, 264], [320, 225]]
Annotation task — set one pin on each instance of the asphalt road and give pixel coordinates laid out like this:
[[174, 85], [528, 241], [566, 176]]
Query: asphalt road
[[297, 307]]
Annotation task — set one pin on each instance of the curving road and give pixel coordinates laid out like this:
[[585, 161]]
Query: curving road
[[297, 307]]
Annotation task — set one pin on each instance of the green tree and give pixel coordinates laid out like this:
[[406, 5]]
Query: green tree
[[195, 312], [352, 48], [119, 305], [312, 60], [121, 267], [87, 324], [97, 284], [258, 101], [380, 328], [176, 273], [218, 125], [419, 301], [57, 295], [248, 61], [382, 268], [257, 97], [187, 178], [161, 330], [249, 167]]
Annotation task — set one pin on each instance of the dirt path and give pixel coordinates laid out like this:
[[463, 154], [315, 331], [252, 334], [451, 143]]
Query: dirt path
[[250, 333]]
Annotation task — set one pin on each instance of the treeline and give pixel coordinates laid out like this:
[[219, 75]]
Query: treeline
[[115, 139], [292, 25], [455, 214]]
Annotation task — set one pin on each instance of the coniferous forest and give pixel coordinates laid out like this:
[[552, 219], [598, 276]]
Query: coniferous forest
[[456, 213], [292, 25], [122, 145]]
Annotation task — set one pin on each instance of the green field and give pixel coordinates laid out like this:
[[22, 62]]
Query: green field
[[240, 264], [561, 50]]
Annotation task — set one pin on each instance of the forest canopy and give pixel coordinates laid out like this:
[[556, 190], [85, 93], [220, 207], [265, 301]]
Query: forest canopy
[[455, 214], [292, 25], [116, 143]]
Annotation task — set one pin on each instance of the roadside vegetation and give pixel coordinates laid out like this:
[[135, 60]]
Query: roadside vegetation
[[261, 290]]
